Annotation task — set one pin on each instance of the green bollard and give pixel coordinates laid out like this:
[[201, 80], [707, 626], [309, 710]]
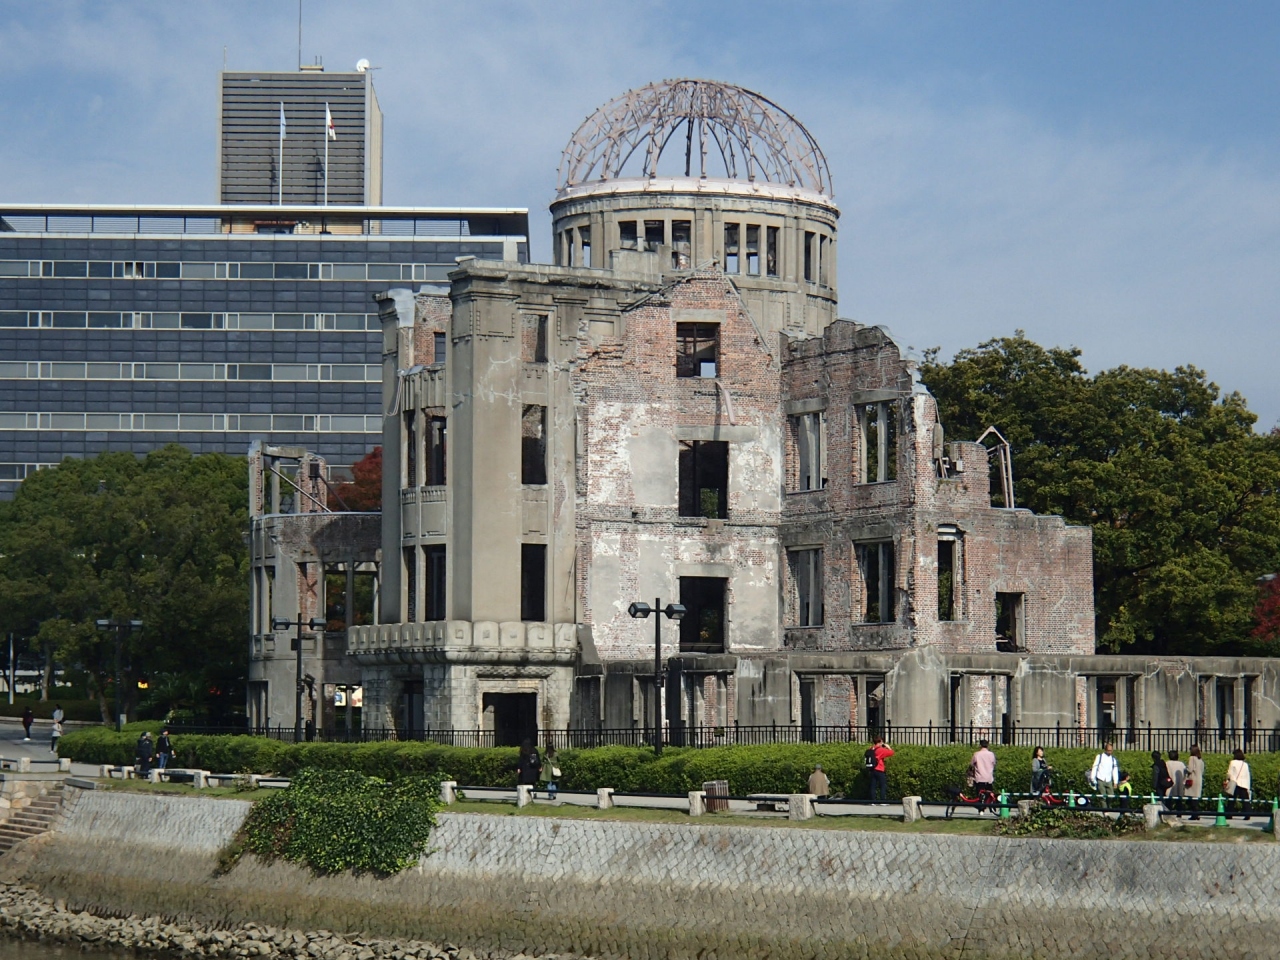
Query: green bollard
[[1071, 799], [1271, 824], [1221, 820], [1004, 804]]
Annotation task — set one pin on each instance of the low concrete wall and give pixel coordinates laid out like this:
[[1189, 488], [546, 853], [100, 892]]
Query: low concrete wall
[[675, 890]]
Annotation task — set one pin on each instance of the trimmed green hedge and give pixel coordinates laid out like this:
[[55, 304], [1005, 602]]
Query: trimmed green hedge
[[922, 771]]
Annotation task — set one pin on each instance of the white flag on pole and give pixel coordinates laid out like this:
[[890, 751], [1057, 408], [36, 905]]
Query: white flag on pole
[[330, 130], [282, 123]]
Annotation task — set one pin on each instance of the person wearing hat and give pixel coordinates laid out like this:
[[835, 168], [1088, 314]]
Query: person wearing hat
[[818, 784]]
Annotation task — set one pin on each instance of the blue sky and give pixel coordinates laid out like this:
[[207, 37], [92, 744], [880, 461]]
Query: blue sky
[[1100, 175]]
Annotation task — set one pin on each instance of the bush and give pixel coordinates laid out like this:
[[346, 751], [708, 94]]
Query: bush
[[336, 820], [1070, 824], [783, 768]]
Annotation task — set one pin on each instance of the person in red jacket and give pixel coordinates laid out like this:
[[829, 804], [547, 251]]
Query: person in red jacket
[[880, 779]]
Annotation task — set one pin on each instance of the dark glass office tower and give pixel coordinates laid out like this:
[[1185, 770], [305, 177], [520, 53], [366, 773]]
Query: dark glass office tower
[[126, 328]]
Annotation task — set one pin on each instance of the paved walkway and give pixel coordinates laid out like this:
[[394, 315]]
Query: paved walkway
[[13, 746]]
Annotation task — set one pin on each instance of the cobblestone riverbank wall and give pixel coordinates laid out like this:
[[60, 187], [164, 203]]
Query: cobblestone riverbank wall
[[636, 890]]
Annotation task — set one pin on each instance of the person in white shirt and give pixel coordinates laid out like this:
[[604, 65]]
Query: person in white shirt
[[1105, 773], [1238, 782], [1178, 775]]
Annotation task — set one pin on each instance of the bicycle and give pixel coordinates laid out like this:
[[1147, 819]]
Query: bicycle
[[986, 797]]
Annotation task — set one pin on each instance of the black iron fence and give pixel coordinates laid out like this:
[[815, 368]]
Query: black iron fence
[[1209, 739]]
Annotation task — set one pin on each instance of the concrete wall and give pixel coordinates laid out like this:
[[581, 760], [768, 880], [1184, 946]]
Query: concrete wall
[[672, 890]]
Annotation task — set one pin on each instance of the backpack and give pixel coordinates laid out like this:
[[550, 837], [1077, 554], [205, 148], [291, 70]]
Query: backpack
[[869, 759]]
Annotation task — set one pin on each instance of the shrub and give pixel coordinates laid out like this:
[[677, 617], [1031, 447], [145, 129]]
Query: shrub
[[1075, 825], [782, 768], [336, 820]]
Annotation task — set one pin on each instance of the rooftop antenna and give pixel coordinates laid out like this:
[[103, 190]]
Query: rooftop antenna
[[299, 34]]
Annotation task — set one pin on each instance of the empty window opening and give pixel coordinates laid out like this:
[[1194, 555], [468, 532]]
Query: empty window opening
[[824, 261], [771, 251], [533, 338], [533, 445], [433, 608], [875, 562], [627, 236], [335, 597], [268, 590], [875, 705], [947, 580], [439, 342], [704, 479], [411, 710], [655, 235], [808, 708], [410, 448], [513, 717], [584, 240], [681, 244], [809, 237], [435, 450], [753, 250], [1108, 710], [702, 628], [533, 582], [731, 248], [806, 572], [1226, 703], [410, 584], [364, 602], [1010, 622], [697, 346], [810, 433], [879, 460]]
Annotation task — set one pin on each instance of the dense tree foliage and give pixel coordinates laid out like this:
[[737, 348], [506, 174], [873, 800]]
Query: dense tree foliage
[[157, 539], [364, 492], [1180, 491]]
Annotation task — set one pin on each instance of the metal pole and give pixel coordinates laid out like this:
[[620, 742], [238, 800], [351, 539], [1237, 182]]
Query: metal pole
[[13, 674], [657, 676], [120, 629], [297, 723]]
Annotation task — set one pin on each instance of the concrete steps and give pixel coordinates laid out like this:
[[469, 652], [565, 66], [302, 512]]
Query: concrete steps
[[32, 820]]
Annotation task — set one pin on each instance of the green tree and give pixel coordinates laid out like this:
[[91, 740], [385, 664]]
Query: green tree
[[157, 539], [1180, 491]]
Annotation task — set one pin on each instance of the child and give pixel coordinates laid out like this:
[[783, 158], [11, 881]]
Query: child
[[1124, 790], [57, 732]]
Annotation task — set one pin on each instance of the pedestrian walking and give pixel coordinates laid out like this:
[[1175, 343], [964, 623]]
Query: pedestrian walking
[[164, 749], [28, 718], [877, 755], [58, 715], [1178, 775], [1041, 772], [143, 753], [1160, 779], [1194, 784], [54, 734], [1239, 782], [529, 766], [1124, 790], [819, 785], [983, 765], [1104, 775], [551, 772]]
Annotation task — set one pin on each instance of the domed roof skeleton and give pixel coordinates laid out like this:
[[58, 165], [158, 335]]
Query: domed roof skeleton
[[744, 127]]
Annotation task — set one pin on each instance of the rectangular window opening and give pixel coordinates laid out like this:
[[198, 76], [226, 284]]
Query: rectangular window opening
[[439, 343], [702, 627], [681, 244], [410, 584], [533, 338], [806, 571], [753, 250], [771, 252], [947, 579], [410, 448], [875, 563], [584, 240], [879, 457], [704, 479], [810, 434], [731, 248], [808, 255], [435, 583], [435, 443], [628, 238], [1010, 622], [655, 235], [697, 347], [533, 582], [533, 445]]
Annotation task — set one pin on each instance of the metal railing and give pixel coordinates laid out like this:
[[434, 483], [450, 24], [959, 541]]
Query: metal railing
[[1061, 736]]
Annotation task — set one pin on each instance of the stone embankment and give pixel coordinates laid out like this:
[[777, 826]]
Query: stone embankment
[[26, 914]]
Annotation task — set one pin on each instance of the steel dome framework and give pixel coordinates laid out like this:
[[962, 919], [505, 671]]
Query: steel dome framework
[[746, 134]]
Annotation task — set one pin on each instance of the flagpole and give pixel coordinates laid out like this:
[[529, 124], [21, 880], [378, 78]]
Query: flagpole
[[326, 154], [280, 180]]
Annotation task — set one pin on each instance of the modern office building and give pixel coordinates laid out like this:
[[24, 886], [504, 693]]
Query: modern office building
[[256, 107], [129, 327]]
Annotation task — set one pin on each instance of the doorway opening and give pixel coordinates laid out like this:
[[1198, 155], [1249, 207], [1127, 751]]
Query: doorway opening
[[514, 717]]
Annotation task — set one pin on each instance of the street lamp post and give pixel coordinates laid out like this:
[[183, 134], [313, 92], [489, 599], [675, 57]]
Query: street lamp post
[[281, 623], [122, 629], [672, 611]]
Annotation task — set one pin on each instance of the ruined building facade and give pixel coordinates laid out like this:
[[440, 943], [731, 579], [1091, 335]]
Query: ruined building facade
[[672, 410]]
